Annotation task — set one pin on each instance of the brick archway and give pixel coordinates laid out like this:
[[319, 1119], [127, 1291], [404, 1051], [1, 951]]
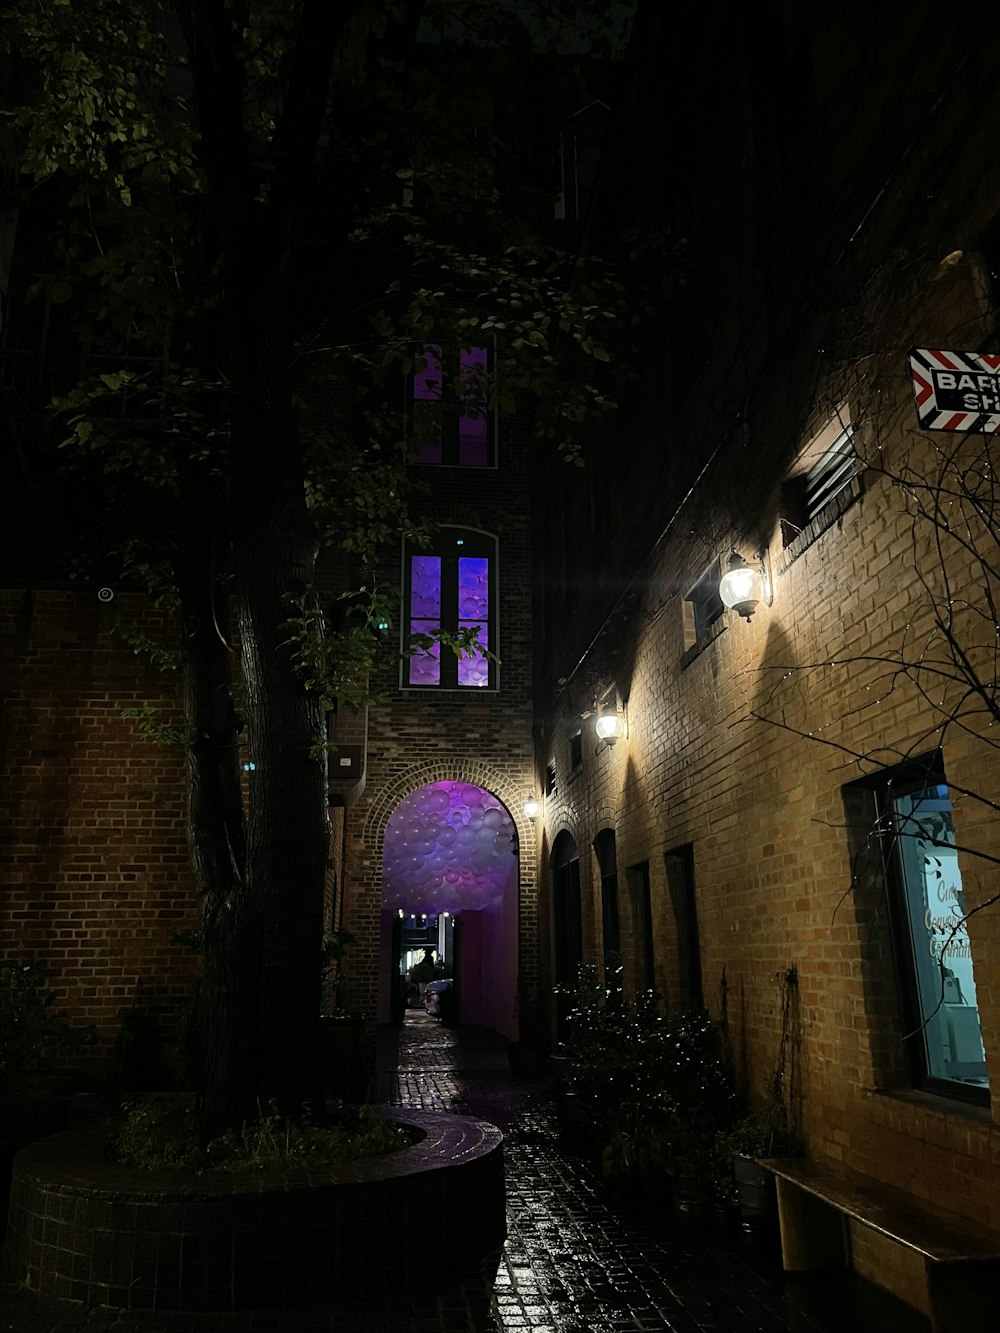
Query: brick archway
[[368, 876]]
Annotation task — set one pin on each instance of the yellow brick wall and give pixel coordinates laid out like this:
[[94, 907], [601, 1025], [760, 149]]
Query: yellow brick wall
[[743, 751]]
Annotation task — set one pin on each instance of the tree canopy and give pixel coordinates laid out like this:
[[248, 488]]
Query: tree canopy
[[250, 221]]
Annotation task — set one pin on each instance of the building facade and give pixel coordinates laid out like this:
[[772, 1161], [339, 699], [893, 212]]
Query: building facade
[[796, 826]]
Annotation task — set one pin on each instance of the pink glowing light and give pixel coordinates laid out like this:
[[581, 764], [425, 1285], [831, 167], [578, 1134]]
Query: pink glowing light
[[448, 846]]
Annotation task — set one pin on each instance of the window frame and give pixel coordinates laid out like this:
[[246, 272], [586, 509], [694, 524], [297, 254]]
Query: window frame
[[830, 464], [700, 627], [449, 362], [884, 789], [448, 539]]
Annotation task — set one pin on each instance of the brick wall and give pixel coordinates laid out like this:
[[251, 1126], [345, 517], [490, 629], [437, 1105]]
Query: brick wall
[[96, 878], [742, 746], [416, 737], [760, 798]]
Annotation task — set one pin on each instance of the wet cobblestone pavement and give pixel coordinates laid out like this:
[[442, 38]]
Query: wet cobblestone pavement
[[576, 1260]]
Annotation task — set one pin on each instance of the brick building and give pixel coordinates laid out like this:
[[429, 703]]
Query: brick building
[[759, 838], [801, 210]]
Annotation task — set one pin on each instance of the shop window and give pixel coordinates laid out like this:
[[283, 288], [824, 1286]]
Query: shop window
[[822, 471], [448, 588], [452, 417], [940, 1011]]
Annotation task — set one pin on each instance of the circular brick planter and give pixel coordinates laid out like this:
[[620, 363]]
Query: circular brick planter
[[105, 1234]]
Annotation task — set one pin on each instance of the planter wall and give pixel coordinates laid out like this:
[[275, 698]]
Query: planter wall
[[92, 1230]]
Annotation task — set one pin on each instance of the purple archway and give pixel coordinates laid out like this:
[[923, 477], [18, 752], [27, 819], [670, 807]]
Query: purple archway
[[450, 853]]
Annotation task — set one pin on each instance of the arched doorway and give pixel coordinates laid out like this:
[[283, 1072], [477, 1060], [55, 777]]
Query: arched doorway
[[449, 883], [567, 922]]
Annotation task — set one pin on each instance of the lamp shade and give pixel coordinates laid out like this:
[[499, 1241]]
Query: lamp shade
[[532, 807], [610, 726], [741, 587]]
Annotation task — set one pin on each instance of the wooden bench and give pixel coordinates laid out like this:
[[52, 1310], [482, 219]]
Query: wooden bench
[[961, 1259]]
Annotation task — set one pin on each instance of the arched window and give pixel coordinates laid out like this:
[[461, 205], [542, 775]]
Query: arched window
[[447, 588]]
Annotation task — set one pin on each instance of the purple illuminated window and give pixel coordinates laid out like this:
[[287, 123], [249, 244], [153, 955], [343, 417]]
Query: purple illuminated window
[[427, 389], [473, 612], [473, 424], [455, 421], [425, 617], [449, 591]]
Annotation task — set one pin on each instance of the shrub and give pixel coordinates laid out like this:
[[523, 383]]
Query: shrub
[[161, 1133], [653, 1088], [30, 1031]]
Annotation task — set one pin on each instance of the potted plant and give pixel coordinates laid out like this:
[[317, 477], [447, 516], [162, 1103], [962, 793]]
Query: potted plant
[[744, 1144]]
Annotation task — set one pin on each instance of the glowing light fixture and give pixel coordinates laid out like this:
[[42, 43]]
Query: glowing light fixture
[[610, 724], [532, 807], [743, 585]]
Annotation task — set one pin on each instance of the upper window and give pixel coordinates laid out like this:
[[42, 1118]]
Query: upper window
[[453, 421], [576, 752], [823, 469], [702, 606], [449, 588]]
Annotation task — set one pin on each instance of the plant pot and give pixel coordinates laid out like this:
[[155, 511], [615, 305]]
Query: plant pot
[[755, 1192], [694, 1200]]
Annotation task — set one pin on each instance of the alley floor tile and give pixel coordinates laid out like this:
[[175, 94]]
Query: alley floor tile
[[577, 1258]]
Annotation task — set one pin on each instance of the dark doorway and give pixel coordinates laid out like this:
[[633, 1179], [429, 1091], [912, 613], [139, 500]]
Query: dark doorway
[[679, 862], [604, 846], [568, 925]]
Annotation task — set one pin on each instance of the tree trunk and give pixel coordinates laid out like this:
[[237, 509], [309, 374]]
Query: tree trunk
[[288, 835], [225, 1024]]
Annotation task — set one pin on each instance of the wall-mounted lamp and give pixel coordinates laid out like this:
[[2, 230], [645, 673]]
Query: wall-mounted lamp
[[744, 585], [532, 807], [610, 724]]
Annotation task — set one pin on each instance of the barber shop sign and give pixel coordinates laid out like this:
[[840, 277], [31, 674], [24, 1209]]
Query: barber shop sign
[[956, 390]]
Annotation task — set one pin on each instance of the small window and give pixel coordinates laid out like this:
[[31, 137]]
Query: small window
[[448, 588], [452, 418], [702, 607], [576, 752], [823, 469], [550, 779]]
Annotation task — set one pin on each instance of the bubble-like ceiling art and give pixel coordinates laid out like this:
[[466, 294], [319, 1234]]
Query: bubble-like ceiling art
[[448, 846]]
